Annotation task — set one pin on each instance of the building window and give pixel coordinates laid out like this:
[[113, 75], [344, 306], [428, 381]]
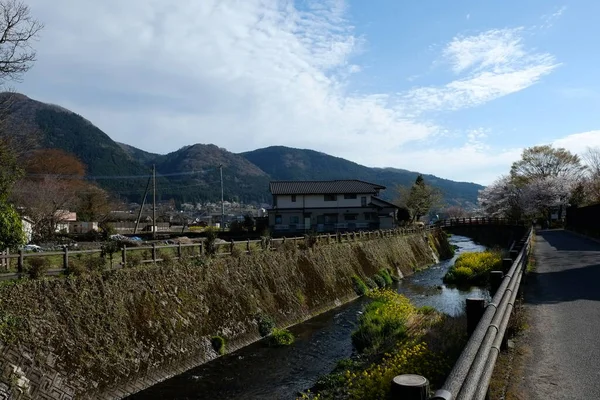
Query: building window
[[293, 198], [351, 196], [330, 197], [294, 220], [331, 218], [370, 216], [278, 220], [350, 217], [363, 201]]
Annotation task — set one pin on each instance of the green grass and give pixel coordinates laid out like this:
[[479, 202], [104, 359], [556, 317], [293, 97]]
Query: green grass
[[280, 337], [383, 321], [474, 268], [359, 285], [218, 344]]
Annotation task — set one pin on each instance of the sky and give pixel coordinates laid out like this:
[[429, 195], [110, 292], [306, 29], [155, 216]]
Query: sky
[[452, 88]]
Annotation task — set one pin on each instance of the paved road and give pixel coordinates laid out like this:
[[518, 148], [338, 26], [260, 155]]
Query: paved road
[[563, 298]]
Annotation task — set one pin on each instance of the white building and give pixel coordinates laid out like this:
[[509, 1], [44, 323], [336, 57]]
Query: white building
[[329, 206]]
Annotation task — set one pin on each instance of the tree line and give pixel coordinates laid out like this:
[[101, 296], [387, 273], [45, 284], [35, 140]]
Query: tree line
[[544, 181]]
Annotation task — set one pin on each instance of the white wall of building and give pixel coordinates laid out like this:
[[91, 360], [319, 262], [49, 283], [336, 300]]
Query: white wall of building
[[318, 201]]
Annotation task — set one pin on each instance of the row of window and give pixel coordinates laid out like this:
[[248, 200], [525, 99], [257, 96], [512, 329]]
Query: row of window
[[328, 218], [333, 197]]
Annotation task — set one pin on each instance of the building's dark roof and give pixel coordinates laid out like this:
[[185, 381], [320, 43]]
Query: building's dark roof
[[376, 201], [323, 187]]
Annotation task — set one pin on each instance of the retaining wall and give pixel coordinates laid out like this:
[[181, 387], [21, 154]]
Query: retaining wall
[[109, 335]]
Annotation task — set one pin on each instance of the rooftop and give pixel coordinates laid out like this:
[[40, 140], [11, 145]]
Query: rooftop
[[323, 187]]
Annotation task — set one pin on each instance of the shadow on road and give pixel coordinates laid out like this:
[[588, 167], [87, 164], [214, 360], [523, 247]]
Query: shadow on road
[[566, 285], [565, 241]]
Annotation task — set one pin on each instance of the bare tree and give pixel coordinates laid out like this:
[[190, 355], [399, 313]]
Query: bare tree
[[17, 29]]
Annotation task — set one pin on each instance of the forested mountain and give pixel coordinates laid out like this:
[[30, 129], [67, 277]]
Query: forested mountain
[[284, 163], [192, 172]]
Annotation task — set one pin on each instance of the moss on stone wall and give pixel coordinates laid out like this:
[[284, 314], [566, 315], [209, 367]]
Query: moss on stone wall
[[111, 334]]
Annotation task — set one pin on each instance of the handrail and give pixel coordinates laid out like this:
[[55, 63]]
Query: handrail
[[470, 377]]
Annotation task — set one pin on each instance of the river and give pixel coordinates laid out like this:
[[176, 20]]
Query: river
[[258, 372]]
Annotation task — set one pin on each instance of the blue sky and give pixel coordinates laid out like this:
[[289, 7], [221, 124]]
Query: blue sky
[[456, 89]]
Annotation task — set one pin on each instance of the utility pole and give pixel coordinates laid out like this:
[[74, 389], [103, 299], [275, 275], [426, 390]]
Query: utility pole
[[153, 201], [137, 221], [222, 202]]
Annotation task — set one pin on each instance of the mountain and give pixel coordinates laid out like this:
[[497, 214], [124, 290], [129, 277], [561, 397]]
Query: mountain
[[192, 173], [285, 163]]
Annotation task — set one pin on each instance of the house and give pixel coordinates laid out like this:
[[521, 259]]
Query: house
[[328, 206], [82, 227], [63, 218], [27, 224]]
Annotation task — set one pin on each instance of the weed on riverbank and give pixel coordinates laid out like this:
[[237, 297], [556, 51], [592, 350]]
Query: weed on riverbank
[[393, 337], [474, 268]]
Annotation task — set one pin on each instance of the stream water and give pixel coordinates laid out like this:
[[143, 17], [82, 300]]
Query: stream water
[[260, 372]]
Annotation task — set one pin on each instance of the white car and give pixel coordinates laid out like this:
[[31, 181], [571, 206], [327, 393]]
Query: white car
[[32, 247]]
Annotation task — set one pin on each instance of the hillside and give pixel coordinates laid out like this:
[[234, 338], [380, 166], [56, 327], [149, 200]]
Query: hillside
[[192, 172], [284, 163]]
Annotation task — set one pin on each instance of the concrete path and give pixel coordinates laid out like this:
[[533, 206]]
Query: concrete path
[[563, 302]]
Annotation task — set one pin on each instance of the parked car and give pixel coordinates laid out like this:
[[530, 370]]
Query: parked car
[[32, 247]]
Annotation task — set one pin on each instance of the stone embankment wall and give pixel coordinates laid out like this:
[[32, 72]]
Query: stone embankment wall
[[112, 334]]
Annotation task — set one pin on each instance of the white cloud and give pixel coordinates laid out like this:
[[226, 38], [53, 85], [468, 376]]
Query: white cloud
[[548, 20], [578, 142], [240, 73], [496, 64], [251, 73]]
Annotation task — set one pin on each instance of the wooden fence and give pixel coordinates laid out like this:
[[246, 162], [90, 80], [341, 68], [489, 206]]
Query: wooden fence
[[181, 251], [223, 248], [479, 221]]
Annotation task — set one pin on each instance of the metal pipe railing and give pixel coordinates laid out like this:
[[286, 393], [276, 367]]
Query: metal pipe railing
[[472, 372]]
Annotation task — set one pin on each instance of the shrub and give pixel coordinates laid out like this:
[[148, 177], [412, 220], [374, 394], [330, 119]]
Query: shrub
[[37, 267], [211, 237], [371, 284], [134, 259], [81, 264], [218, 344], [386, 277], [406, 358], [280, 337], [383, 321], [266, 324], [359, 286], [379, 280], [473, 268]]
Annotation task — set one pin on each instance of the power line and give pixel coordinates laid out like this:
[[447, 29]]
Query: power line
[[103, 177]]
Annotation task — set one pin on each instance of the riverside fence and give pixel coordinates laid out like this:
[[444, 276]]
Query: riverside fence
[[471, 375], [14, 266]]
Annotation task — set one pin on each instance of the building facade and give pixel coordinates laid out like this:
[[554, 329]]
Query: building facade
[[329, 206]]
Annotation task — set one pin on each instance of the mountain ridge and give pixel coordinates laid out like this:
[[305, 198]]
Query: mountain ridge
[[191, 173]]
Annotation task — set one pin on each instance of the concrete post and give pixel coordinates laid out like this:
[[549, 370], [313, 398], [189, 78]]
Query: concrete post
[[21, 262], [179, 252], [475, 310], [124, 256], [66, 257], [506, 264], [154, 252], [231, 246], [248, 246], [410, 387], [495, 281]]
